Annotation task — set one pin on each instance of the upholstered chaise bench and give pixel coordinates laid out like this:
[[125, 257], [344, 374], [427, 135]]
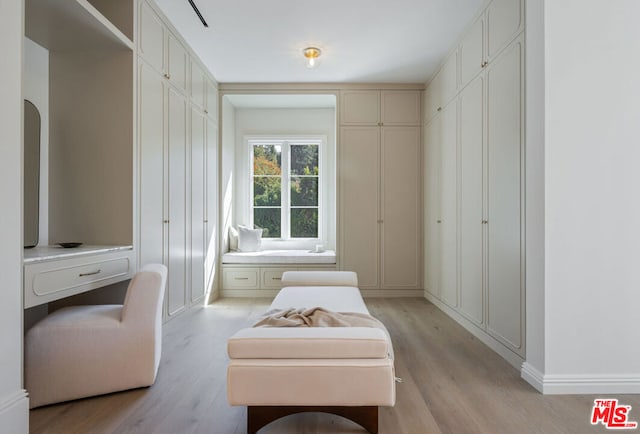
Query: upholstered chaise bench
[[277, 371]]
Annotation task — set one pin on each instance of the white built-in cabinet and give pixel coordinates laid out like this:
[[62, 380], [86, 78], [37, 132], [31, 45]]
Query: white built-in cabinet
[[473, 183], [492, 31], [379, 188], [178, 163]]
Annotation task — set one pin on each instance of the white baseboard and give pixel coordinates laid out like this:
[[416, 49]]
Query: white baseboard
[[249, 293], [532, 376], [511, 357], [14, 413], [580, 384], [392, 293]]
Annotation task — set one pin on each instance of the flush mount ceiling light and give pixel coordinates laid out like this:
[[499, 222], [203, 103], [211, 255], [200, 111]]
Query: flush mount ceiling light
[[312, 55]]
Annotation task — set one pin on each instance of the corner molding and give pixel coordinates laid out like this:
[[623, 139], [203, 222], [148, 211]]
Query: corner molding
[[580, 384]]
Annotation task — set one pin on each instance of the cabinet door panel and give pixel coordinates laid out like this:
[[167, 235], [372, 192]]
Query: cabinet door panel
[[177, 188], [212, 101], [400, 107], [433, 97], [471, 52], [449, 207], [151, 37], [198, 86], [504, 147], [449, 80], [504, 21], [401, 207], [151, 201], [177, 64], [432, 202], [359, 186], [471, 198], [360, 107], [198, 225]]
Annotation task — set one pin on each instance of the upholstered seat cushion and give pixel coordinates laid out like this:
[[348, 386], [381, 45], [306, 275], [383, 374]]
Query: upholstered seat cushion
[[309, 343], [334, 298]]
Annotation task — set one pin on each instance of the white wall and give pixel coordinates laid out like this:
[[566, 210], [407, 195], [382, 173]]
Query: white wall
[[13, 402], [35, 88], [284, 122], [227, 175], [592, 197]]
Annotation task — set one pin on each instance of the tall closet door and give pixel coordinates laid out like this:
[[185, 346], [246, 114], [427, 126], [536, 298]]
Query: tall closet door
[[432, 194], [401, 234], [151, 144], [359, 204], [198, 203], [177, 203], [211, 201], [471, 199], [504, 146], [449, 206]]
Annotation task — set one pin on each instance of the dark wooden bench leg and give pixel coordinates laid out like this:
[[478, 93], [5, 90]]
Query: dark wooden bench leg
[[259, 416]]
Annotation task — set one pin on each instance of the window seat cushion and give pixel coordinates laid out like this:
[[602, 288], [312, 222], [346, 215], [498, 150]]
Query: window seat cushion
[[280, 257]]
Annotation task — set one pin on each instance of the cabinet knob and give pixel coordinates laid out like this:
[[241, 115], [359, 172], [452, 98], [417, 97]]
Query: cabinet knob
[[483, 64], [438, 221], [484, 222], [165, 221], [380, 124], [206, 111], [439, 109], [206, 221], [167, 76]]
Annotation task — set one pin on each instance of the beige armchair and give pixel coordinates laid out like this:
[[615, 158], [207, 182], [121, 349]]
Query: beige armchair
[[83, 351]]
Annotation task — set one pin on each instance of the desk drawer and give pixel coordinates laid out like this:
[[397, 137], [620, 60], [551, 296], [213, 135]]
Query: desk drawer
[[52, 280], [272, 277], [241, 278]]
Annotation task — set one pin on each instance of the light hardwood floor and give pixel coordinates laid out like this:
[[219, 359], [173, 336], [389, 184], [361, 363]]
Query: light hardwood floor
[[452, 384]]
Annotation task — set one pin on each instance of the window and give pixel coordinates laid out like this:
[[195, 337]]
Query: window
[[285, 187]]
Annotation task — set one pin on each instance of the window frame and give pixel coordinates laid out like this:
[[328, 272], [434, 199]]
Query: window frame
[[286, 141]]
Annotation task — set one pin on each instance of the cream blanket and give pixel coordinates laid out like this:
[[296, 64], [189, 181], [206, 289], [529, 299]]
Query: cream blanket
[[320, 317]]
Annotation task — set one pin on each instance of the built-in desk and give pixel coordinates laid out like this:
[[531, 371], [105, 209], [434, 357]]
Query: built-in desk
[[53, 272]]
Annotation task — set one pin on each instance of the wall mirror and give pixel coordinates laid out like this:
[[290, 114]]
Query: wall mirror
[[31, 173]]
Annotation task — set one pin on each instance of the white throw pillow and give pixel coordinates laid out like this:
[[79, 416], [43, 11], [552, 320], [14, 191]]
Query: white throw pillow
[[233, 239], [249, 240]]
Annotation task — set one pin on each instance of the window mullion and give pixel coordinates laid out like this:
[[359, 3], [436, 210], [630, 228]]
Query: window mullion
[[286, 201]]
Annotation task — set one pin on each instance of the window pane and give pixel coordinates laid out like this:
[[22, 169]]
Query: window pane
[[304, 191], [269, 220], [267, 159], [266, 191], [304, 159], [304, 223]]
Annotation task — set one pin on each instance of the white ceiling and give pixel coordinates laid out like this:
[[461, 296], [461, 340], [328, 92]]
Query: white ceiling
[[363, 41]]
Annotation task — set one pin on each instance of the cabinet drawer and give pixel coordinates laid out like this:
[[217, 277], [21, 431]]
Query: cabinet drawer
[[52, 280], [245, 278], [272, 277]]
